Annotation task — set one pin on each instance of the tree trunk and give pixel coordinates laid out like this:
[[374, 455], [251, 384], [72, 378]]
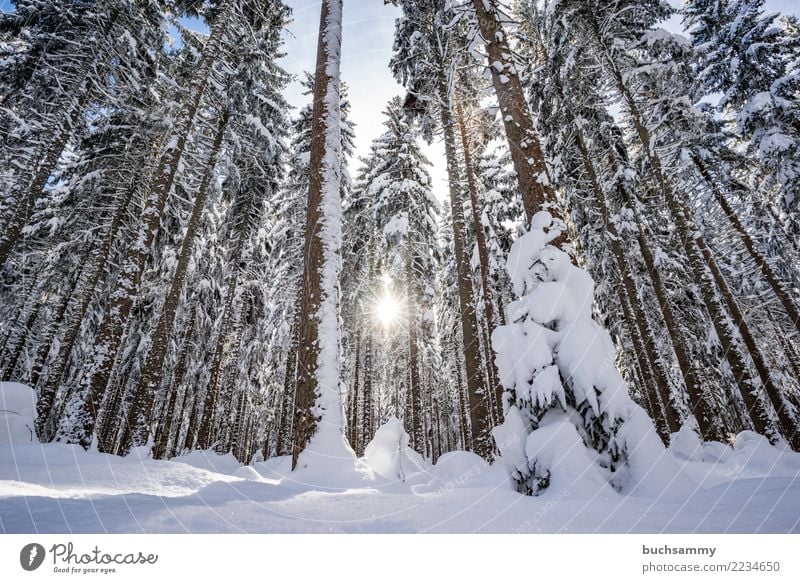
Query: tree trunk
[[523, 140], [317, 361], [476, 389], [416, 430], [367, 404], [46, 343], [170, 424], [206, 431], [285, 431], [47, 394], [355, 398], [483, 257], [44, 170], [638, 317], [118, 308], [137, 426], [13, 359]]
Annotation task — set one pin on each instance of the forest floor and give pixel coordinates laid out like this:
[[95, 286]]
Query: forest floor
[[747, 487]]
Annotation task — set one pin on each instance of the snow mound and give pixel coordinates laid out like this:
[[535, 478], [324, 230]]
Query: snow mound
[[329, 463], [17, 413], [389, 456], [685, 444], [563, 462], [210, 460], [755, 455]]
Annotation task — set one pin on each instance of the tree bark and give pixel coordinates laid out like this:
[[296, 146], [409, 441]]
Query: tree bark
[[483, 257], [476, 386], [523, 140], [318, 305]]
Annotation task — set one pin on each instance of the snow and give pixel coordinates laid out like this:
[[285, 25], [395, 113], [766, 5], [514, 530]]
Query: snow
[[565, 400], [17, 413], [750, 486]]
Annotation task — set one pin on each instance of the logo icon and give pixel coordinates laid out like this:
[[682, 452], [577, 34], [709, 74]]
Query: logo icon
[[31, 556]]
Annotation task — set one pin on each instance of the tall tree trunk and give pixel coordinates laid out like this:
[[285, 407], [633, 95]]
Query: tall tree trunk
[[523, 140], [285, 431], [317, 362], [44, 169], [483, 258], [61, 135], [118, 308], [638, 316], [476, 384], [415, 389], [367, 403], [206, 431], [137, 426], [461, 401], [230, 384], [171, 421], [13, 358], [46, 343], [355, 398]]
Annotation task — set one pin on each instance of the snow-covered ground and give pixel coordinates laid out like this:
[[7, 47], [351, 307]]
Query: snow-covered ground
[[750, 487]]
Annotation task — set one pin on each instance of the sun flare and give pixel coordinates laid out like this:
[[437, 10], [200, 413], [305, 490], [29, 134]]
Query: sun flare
[[387, 310]]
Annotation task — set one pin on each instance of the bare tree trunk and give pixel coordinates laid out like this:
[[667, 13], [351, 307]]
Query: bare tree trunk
[[318, 307], [523, 140], [137, 426], [483, 257], [118, 308], [476, 389], [170, 423]]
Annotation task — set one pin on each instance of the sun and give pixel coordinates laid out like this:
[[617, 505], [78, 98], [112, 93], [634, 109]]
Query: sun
[[387, 310]]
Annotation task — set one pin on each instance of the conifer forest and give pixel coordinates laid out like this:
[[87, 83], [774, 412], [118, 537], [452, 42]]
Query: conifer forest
[[602, 297]]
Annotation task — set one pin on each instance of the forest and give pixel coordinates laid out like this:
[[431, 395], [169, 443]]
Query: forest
[[186, 262]]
